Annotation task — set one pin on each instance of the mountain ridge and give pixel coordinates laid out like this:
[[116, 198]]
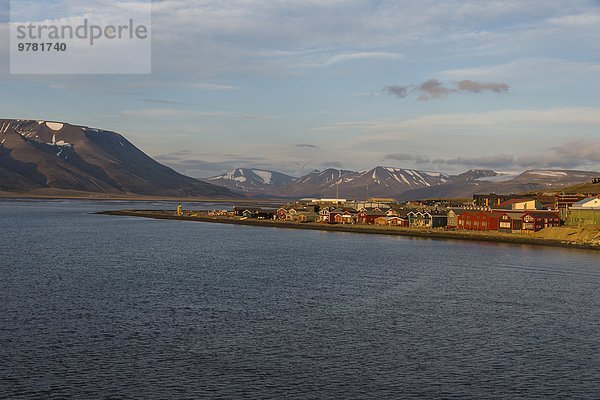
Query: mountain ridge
[[48, 155], [412, 184]]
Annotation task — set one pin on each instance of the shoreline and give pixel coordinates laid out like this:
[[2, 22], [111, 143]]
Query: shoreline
[[489, 237]]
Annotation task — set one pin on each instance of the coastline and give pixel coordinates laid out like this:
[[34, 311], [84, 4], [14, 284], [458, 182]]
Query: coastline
[[489, 237]]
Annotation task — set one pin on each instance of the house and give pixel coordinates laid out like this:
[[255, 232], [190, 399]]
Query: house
[[368, 216], [328, 215], [345, 217], [511, 222], [452, 215], [324, 215], [534, 221], [307, 217], [566, 201], [520, 204], [419, 219], [584, 212], [282, 214], [590, 203], [528, 221], [439, 218], [254, 212], [392, 221], [478, 220]]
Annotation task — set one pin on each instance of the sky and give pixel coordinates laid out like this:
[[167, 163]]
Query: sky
[[297, 85]]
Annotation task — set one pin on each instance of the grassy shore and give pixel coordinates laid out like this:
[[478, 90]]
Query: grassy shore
[[496, 237]]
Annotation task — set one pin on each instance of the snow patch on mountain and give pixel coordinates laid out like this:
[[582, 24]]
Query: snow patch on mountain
[[554, 174], [266, 176], [55, 126]]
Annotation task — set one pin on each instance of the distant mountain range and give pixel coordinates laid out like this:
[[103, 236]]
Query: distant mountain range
[[43, 157], [253, 181], [402, 184], [39, 157], [528, 181]]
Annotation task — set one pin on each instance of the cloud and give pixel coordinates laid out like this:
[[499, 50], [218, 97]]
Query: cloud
[[526, 70], [491, 162], [365, 55], [400, 157], [187, 113], [478, 87], [435, 89], [417, 159], [212, 86], [509, 123], [332, 164], [160, 101], [398, 91], [579, 150], [572, 154], [306, 145]]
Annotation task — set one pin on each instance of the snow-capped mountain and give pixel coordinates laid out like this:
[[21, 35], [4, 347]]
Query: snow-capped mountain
[[377, 182], [250, 180], [40, 157], [482, 181]]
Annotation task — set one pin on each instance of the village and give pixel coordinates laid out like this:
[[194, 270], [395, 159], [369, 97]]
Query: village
[[515, 214]]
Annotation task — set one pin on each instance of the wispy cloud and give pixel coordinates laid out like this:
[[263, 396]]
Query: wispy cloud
[[153, 113], [435, 89], [332, 164], [363, 55], [478, 87], [212, 86], [306, 145], [161, 101], [572, 154], [417, 159]]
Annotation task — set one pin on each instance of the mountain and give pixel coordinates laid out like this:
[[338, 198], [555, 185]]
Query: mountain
[[377, 182], [254, 181], [528, 181], [52, 157]]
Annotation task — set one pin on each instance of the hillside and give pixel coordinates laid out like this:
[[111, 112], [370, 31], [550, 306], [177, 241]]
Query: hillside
[[38, 157]]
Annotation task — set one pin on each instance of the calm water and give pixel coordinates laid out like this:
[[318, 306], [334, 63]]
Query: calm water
[[112, 307]]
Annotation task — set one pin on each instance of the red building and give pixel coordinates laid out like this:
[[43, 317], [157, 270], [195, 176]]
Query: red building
[[368, 217], [528, 222], [479, 220]]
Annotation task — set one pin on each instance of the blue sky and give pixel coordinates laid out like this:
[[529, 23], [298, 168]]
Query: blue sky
[[440, 86]]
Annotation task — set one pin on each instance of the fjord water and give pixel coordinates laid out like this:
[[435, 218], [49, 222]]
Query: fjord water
[[117, 307]]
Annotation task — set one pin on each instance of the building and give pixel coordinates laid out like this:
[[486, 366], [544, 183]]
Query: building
[[584, 212], [528, 221], [307, 217], [453, 214], [478, 220], [255, 212], [392, 221], [439, 218], [566, 201], [368, 216], [491, 200], [345, 218], [520, 204]]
